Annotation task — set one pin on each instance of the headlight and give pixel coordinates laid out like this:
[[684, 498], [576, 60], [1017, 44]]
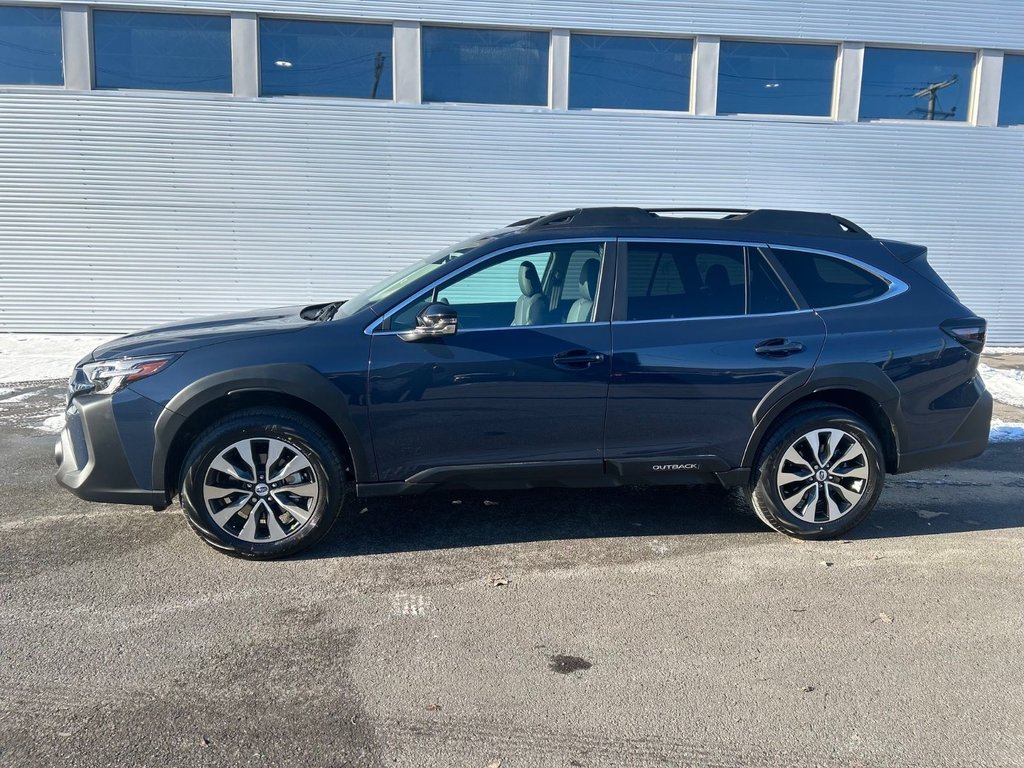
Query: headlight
[[108, 376]]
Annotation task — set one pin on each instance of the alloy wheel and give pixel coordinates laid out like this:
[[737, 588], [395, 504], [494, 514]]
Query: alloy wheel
[[261, 489], [823, 475]]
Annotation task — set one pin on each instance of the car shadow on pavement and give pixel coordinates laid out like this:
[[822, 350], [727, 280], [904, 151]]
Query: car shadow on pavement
[[450, 520], [986, 493]]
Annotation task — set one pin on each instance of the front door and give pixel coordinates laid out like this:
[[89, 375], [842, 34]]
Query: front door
[[524, 379], [702, 332]]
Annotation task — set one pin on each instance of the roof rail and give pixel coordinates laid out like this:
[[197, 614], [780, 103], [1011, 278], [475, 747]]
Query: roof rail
[[761, 219], [699, 210], [595, 217]]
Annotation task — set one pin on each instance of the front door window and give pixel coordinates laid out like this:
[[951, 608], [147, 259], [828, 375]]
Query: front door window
[[539, 285]]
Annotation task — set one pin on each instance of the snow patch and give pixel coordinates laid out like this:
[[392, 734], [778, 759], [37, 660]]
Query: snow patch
[[1005, 384], [1006, 432], [39, 357], [53, 424], [1004, 350], [18, 398]]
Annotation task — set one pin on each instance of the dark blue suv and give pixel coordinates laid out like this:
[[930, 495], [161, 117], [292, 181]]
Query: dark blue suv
[[789, 353]]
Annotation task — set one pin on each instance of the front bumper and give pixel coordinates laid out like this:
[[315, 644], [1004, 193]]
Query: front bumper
[[92, 461]]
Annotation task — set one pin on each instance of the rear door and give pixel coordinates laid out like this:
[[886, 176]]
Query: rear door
[[702, 331]]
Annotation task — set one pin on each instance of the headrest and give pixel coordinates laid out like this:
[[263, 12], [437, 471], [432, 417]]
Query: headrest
[[529, 282], [588, 278], [717, 278]]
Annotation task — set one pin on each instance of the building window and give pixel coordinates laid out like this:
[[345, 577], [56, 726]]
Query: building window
[[906, 84], [1011, 99], [485, 66], [162, 51], [775, 78], [619, 72], [323, 58], [30, 46]]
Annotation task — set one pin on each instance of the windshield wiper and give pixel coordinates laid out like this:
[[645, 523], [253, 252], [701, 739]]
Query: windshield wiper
[[327, 311]]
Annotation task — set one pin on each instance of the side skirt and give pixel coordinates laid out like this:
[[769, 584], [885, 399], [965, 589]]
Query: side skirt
[[689, 470]]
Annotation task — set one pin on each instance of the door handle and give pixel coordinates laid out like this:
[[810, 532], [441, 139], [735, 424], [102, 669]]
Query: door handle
[[778, 347], [577, 359]]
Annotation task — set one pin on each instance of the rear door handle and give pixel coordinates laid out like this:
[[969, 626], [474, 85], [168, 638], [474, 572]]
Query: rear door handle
[[577, 359], [778, 347]]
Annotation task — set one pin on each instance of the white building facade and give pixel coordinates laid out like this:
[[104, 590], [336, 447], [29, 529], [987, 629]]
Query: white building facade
[[163, 160]]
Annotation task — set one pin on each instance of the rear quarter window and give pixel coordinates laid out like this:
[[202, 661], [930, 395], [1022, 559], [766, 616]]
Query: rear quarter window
[[825, 281]]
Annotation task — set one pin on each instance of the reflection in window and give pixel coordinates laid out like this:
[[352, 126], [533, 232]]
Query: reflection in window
[[322, 58], [906, 84], [163, 51], [617, 72], [30, 46], [775, 78], [1011, 99], [485, 66]]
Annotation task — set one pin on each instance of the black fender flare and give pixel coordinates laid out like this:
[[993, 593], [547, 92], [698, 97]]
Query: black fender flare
[[292, 379], [865, 378]]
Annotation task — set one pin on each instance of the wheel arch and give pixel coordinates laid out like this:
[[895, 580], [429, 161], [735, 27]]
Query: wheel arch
[[862, 389], [297, 388]]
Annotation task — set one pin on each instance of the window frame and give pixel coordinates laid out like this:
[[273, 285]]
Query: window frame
[[284, 16], [229, 15], [690, 111], [63, 84], [550, 65], [602, 301], [972, 86], [837, 76]]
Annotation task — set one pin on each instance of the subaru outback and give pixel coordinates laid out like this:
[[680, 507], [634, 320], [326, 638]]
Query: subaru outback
[[788, 353]]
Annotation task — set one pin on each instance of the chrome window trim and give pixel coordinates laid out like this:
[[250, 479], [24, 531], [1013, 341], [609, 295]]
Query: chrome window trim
[[711, 317], [896, 286], [372, 327], [464, 331]]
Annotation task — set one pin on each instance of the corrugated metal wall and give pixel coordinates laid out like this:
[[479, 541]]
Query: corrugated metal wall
[[119, 210]]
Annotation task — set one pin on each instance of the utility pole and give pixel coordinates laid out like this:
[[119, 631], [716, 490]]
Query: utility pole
[[378, 69], [932, 94]]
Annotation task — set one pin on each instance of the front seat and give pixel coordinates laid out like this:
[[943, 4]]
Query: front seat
[[531, 305], [581, 309]]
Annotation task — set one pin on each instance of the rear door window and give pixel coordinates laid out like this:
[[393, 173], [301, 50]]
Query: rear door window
[[826, 281], [683, 280]]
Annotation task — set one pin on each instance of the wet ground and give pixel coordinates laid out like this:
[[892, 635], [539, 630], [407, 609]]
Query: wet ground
[[568, 628]]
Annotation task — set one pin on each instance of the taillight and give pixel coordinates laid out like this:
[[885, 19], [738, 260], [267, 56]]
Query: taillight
[[969, 331]]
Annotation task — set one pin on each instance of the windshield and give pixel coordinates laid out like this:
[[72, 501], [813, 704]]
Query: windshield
[[391, 285]]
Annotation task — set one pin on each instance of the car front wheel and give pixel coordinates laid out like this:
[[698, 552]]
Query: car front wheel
[[263, 484], [819, 474]]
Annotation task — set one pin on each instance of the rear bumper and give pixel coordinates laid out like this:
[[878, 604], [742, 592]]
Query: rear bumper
[[969, 440], [91, 459]]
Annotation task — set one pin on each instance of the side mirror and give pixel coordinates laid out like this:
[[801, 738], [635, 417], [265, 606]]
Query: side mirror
[[433, 320]]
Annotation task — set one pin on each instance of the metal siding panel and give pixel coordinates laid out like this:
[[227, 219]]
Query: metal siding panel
[[977, 23], [122, 210]]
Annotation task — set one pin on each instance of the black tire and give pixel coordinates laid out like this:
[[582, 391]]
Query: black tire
[[765, 492], [300, 437]]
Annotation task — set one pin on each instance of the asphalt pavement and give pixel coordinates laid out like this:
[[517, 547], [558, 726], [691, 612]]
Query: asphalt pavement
[[548, 628]]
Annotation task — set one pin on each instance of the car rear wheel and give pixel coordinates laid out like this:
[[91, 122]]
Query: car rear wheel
[[263, 484], [819, 475]]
